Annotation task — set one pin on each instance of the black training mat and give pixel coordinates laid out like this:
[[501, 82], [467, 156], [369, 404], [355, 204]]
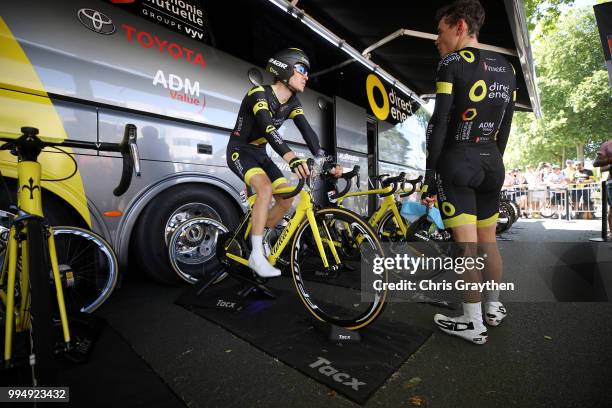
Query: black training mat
[[283, 328], [112, 374]]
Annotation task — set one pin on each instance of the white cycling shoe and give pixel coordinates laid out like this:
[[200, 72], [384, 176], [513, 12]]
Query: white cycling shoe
[[462, 326], [495, 312], [262, 267]]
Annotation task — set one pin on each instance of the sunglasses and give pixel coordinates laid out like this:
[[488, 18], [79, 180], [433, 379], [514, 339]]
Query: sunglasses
[[301, 69]]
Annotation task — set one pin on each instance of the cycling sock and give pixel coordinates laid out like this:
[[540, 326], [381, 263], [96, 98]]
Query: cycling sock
[[473, 311], [257, 244], [258, 262], [492, 295]]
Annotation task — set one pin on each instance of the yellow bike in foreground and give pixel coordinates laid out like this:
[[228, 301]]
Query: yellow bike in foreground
[[30, 261]]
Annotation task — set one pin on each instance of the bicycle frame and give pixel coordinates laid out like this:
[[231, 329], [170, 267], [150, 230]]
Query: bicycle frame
[[30, 201], [304, 209], [387, 204]]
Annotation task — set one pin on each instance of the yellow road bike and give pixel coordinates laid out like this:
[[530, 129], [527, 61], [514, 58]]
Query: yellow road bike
[[334, 287], [31, 274], [421, 238], [386, 220]]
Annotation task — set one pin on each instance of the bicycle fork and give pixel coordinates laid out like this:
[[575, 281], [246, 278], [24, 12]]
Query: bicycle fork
[[17, 320]]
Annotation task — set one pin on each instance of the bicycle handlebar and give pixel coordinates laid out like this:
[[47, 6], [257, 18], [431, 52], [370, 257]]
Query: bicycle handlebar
[[393, 182], [29, 145], [414, 183], [128, 149], [348, 177], [300, 184]]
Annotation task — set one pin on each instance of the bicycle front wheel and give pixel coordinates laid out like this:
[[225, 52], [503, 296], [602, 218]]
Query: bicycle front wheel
[[88, 268], [344, 293], [389, 229]]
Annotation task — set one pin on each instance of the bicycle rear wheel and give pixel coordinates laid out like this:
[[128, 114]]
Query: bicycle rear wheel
[[88, 268], [342, 294], [548, 210], [504, 222]]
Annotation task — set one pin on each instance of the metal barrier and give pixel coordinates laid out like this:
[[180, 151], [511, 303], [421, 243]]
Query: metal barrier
[[585, 200], [572, 201]]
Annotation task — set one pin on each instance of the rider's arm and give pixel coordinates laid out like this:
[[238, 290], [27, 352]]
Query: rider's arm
[[504, 128], [438, 124], [309, 135], [263, 117]]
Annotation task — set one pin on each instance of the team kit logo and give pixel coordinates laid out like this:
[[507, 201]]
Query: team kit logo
[[392, 103]]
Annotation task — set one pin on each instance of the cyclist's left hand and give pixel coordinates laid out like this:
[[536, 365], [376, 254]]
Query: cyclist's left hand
[[429, 201], [336, 171]]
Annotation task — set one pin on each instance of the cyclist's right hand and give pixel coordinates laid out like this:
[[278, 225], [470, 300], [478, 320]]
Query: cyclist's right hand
[[299, 167]]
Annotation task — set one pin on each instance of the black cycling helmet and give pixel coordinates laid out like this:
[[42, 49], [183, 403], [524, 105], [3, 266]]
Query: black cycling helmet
[[281, 64]]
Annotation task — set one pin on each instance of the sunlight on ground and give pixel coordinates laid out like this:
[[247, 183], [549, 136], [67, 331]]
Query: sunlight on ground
[[573, 225]]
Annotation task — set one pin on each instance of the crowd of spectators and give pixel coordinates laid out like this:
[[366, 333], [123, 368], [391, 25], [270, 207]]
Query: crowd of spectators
[[532, 187]]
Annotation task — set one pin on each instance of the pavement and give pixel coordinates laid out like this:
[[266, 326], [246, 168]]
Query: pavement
[[546, 353]]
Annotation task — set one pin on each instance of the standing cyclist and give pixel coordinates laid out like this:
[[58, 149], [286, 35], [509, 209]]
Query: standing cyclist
[[263, 110], [466, 139]]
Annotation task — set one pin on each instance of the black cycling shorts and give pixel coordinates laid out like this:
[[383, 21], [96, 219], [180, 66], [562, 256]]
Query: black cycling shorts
[[471, 178], [246, 160]]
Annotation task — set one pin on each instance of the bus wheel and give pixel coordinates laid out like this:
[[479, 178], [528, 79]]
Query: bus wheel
[[161, 218]]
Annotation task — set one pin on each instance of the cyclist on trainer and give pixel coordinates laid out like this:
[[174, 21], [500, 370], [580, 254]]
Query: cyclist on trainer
[[466, 139], [263, 110]]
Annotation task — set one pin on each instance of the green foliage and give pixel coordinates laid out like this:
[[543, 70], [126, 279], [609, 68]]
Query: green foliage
[[574, 92], [546, 13]]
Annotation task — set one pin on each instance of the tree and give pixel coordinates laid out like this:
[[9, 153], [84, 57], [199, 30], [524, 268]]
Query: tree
[[574, 92], [544, 12]]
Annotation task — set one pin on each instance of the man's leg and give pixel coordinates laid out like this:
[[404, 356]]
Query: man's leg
[[281, 205], [257, 261], [466, 238], [494, 310], [469, 326]]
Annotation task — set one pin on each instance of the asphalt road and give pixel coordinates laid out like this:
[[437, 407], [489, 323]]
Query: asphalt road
[[545, 354]]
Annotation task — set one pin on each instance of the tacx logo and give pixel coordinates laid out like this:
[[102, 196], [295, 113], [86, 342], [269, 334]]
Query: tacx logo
[[96, 21], [491, 68], [326, 369], [278, 63], [226, 304]]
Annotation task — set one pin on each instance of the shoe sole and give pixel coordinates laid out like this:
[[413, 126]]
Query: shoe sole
[[482, 339], [479, 341]]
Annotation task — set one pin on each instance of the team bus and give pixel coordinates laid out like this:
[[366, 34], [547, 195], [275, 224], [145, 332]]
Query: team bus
[[84, 69]]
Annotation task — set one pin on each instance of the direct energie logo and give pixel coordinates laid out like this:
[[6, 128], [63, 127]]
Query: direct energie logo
[[392, 103]]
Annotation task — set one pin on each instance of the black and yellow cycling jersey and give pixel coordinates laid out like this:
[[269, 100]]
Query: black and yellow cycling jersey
[[261, 115], [468, 133]]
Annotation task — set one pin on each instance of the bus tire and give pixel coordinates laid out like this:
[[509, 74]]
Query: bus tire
[[164, 214]]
